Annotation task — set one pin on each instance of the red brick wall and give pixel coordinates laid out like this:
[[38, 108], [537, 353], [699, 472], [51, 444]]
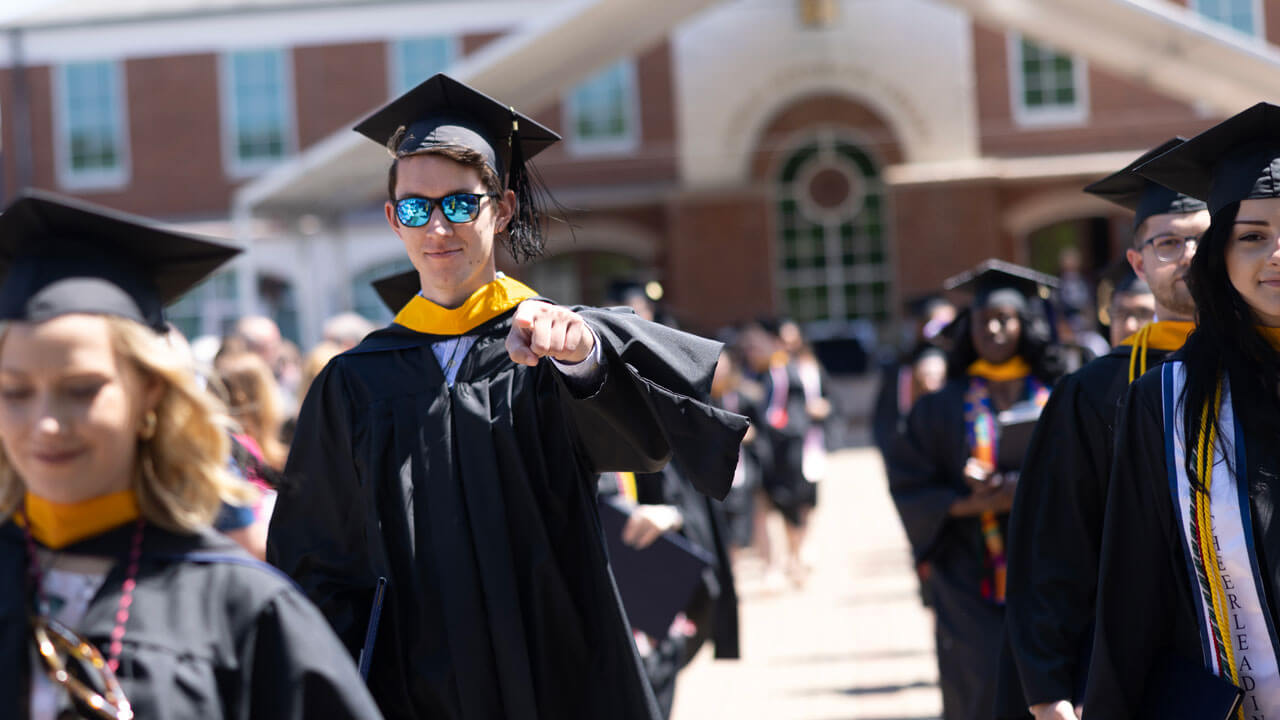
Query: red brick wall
[[943, 229], [1123, 115], [336, 85], [719, 258]]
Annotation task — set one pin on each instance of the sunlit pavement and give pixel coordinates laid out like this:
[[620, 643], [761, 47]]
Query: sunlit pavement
[[854, 643]]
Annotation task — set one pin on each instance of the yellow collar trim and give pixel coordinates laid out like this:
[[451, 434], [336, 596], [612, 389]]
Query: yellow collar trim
[[422, 315], [1015, 369], [1271, 334], [1167, 335], [57, 525]]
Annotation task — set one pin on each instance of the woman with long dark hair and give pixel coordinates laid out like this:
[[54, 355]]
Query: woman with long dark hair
[[950, 490], [1187, 576]]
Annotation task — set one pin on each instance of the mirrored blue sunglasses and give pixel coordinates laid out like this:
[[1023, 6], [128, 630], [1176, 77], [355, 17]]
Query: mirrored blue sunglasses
[[457, 208]]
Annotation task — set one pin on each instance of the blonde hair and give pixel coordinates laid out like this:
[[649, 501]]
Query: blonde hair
[[314, 362], [181, 476], [252, 397]]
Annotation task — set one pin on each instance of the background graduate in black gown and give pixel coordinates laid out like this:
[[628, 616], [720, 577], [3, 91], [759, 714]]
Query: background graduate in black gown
[[453, 455], [952, 497], [901, 383], [1056, 525], [114, 465], [1151, 613]]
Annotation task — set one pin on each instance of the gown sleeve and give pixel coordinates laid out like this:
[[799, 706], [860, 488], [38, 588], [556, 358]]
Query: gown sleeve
[[1054, 532], [653, 403], [297, 668], [1137, 588], [319, 529], [918, 481]]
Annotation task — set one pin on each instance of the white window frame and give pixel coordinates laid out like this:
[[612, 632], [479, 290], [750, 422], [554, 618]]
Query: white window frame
[[70, 178], [1259, 18], [1023, 116], [395, 64], [580, 146], [235, 167]]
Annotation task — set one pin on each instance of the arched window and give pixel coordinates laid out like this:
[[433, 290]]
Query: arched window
[[833, 264]]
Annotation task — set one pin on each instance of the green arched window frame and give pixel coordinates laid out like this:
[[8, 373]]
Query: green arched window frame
[[833, 259]]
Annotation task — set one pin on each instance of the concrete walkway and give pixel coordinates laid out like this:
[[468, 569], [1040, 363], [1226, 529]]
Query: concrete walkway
[[854, 644]]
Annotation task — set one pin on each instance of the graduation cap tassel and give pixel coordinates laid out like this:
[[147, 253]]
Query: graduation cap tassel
[[525, 230]]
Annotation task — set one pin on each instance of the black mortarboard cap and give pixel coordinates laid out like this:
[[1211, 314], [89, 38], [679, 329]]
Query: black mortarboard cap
[[1237, 159], [62, 256], [1145, 198], [444, 112], [993, 276], [397, 290]]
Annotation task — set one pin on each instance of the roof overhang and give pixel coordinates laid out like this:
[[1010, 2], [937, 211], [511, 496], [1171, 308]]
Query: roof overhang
[[530, 68], [1159, 43]]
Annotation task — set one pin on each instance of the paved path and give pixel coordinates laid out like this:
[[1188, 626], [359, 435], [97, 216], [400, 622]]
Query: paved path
[[854, 644]]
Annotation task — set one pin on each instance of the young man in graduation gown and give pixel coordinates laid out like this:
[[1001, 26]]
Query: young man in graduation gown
[[1056, 525], [946, 481], [451, 458]]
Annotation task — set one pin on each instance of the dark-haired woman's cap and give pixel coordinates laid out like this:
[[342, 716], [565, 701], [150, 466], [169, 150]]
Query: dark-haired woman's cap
[[442, 112], [1237, 159], [62, 256], [996, 281], [1130, 190], [397, 290]]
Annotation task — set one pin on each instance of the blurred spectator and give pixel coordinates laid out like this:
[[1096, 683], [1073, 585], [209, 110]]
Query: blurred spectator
[[899, 385], [731, 391], [1074, 293], [245, 524], [346, 331], [1132, 306], [314, 362], [787, 422], [253, 401], [262, 337]]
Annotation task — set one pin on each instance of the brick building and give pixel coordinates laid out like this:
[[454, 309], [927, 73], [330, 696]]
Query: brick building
[[817, 158]]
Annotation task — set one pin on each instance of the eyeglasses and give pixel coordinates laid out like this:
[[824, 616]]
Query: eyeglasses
[[1171, 248], [90, 670], [457, 208]]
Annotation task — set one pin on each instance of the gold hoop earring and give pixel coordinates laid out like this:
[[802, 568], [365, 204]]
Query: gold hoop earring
[[149, 423]]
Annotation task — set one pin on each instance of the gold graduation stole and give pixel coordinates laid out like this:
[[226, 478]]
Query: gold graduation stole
[[488, 302], [1165, 335], [57, 525]]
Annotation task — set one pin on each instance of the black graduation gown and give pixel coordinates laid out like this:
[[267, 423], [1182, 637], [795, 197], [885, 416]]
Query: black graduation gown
[[478, 504], [1055, 531], [926, 475], [887, 415], [784, 481], [228, 638], [714, 607], [739, 504], [1145, 611]]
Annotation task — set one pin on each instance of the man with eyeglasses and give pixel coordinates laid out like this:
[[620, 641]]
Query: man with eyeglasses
[[439, 502], [1056, 526]]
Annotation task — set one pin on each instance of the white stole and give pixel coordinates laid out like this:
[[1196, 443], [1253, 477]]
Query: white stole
[[1248, 621]]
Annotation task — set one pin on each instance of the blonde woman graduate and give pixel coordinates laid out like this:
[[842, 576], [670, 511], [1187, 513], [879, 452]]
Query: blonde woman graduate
[[117, 599]]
